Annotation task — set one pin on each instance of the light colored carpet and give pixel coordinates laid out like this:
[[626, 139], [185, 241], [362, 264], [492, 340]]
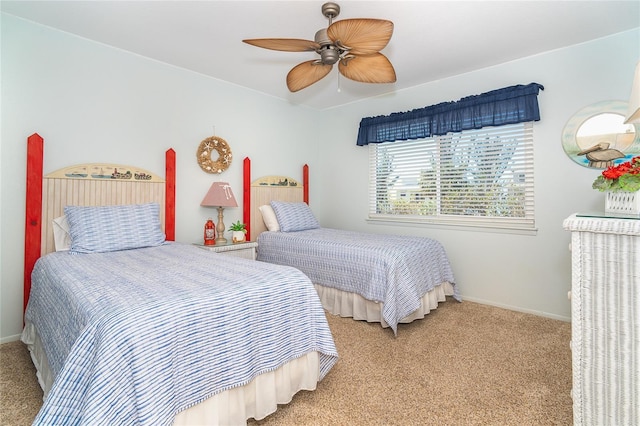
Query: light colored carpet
[[464, 364]]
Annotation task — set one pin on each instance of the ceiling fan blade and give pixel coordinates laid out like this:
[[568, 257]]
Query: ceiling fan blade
[[374, 68], [284, 44], [363, 36], [305, 74]]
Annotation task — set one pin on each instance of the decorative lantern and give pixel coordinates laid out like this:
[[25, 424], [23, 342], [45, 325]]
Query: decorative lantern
[[209, 233]]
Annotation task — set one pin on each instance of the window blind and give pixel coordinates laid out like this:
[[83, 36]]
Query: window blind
[[480, 177]]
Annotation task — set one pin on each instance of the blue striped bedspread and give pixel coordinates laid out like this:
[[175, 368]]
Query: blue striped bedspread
[[134, 337], [392, 269]]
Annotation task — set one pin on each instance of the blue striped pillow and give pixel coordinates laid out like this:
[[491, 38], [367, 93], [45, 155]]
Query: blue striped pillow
[[112, 228], [294, 216]]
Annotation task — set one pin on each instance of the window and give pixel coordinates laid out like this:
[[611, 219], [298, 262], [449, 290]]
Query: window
[[480, 177], [468, 162]]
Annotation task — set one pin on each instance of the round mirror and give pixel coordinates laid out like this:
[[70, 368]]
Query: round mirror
[[597, 137]]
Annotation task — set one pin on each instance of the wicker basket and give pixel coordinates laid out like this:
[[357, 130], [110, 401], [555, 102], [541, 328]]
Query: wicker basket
[[622, 203]]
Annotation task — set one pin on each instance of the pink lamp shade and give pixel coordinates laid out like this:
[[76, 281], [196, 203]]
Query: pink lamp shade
[[219, 195]]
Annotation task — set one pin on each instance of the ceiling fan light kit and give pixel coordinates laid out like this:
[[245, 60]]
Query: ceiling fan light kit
[[354, 44]]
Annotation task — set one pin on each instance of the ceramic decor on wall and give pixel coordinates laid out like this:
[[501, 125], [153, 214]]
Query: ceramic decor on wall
[[596, 136]]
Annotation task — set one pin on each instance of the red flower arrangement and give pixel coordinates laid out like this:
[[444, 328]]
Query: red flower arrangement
[[623, 177]]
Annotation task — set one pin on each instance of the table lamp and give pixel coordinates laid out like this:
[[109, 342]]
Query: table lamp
[[220, 196]]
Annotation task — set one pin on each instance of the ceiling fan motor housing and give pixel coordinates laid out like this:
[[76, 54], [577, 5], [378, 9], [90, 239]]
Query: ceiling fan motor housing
[[329, 53], [322, 38]]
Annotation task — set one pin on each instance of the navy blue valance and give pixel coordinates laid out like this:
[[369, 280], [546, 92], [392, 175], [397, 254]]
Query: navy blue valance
[[509, 105]]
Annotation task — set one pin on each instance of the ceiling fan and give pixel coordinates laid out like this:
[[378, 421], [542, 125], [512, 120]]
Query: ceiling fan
[[354, 44]]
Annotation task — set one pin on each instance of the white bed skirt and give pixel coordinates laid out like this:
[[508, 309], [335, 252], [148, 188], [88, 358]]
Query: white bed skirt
[[257, 399], [346, 304]]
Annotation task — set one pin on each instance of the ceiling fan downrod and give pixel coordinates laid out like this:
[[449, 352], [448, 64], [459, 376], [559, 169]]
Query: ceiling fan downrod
[[329, 52]]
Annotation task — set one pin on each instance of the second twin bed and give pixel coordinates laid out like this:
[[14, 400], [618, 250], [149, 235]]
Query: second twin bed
[[388, 279]]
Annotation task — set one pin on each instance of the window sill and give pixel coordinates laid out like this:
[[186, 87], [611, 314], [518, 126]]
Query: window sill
[[455, 225]]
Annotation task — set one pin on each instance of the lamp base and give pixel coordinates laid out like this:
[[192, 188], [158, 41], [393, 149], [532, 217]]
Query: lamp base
[[220, 227]]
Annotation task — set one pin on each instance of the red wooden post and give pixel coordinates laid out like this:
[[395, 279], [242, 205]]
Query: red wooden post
[[305, 182], [170, 195], [246, 195], [33, 211]]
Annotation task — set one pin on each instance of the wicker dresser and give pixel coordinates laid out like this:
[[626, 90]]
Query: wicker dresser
[[605, 320]]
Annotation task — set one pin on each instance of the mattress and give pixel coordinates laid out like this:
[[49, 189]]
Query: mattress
[[139, 336]]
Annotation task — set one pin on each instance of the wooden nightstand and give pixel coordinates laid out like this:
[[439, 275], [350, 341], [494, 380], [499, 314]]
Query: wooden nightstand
[[245, 250]]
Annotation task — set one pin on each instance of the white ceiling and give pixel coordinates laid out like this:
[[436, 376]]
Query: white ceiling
[[432, 40]]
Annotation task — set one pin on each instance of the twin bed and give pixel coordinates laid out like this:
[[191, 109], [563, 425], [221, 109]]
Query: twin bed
[[135, 328], [377, 278], [132, 328]]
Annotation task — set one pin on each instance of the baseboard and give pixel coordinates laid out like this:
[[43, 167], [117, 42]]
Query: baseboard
[[517, 309], [9, 339]]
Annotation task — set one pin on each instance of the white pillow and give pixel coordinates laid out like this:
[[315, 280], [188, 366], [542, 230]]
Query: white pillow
[[269, 218], [61, 237]]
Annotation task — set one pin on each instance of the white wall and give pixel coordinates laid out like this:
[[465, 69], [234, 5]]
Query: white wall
[[92, 103], [526, 273]]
